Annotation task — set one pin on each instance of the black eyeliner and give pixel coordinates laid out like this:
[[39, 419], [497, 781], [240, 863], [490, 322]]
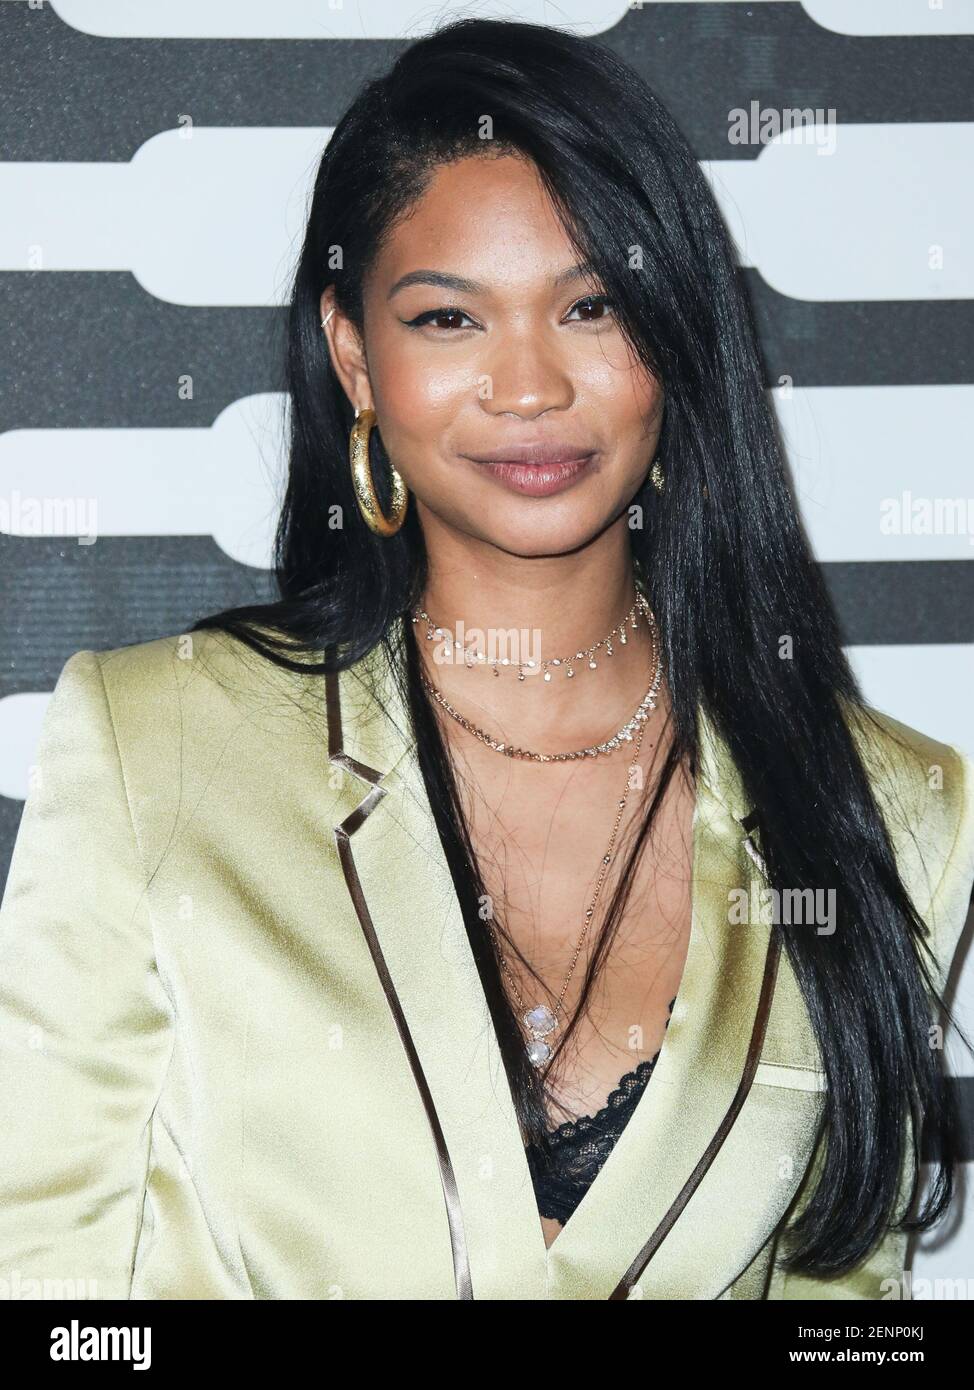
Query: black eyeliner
[[429, 314]]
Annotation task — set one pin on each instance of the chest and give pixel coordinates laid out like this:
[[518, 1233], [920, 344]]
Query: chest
[[542, 835]]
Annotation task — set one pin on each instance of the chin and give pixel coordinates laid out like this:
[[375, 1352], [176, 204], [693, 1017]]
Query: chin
[[535, 536]]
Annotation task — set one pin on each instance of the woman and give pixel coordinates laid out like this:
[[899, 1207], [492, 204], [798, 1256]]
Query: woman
[[525, 906]]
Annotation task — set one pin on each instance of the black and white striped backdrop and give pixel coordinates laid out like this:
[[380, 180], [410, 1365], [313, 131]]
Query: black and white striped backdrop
[[155, 160]]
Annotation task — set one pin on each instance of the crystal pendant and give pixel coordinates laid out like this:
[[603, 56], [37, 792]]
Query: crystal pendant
[[540, 1021]]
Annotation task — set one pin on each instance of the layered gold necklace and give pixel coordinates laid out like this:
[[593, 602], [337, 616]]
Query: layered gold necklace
[[539, 1020], [569, 664], [624, 735]]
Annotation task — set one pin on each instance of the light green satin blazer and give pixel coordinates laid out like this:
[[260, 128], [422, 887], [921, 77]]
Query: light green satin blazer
[[244, 1047]]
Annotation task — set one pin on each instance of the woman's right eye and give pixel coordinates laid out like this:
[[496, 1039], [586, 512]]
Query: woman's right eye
[[431, 315]]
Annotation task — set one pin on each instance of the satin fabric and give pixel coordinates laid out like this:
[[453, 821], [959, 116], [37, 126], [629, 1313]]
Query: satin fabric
[[213, 1085]]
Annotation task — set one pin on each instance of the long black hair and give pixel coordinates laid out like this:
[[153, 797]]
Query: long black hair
[[721, 552]]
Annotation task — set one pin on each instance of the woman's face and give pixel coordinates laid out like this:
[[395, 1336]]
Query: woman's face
[[505, 393]]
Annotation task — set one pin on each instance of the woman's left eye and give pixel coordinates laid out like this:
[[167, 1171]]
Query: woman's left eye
[[592, 306]]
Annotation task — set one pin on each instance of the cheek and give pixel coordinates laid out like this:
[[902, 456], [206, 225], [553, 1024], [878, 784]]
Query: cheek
[[418, 394], [611, 386], [604, 365]]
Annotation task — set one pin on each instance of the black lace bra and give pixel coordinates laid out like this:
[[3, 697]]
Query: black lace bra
[[580, 1147]]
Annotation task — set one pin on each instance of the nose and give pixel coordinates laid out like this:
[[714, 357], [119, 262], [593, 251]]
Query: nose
[[526, 377]]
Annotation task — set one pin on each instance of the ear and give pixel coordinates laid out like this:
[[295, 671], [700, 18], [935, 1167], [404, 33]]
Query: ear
[[347, 352]]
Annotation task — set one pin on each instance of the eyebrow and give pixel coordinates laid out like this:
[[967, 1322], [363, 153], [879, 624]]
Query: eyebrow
[[460, 285]]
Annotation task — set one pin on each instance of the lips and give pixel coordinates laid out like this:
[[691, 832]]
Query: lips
[[550, 452], [536, 470]]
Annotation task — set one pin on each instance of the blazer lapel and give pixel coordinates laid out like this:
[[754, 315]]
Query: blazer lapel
[[669, 1212], [406, 904], [693, 1187]]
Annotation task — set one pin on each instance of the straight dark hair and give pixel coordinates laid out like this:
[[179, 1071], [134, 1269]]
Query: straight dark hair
[[721, 552]]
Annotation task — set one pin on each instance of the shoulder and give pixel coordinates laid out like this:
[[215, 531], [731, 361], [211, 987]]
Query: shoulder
[[185, 687], [924, 790], [918, 782], [204, 738], [212, 660]]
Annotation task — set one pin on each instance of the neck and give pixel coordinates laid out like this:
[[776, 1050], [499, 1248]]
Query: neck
[[551, 606]]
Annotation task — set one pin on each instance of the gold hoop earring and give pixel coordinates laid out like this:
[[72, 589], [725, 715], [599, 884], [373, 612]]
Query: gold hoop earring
[[657, 475], [365, 493]]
